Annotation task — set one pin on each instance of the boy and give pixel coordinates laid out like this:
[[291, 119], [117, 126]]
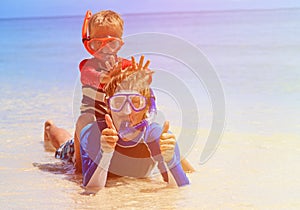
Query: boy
[[102, 38], [136, 154], [104, 152]]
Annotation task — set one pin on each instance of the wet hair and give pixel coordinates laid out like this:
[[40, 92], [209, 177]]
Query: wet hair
[[130, 79], [108, 19]]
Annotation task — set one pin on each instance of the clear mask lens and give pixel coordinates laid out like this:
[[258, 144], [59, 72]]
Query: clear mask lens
[[109, 47], [95, 45], [136, 101], [117, 102]]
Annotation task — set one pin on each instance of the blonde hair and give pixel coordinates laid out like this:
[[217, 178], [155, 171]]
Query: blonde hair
[[130, 79], [107, 19]]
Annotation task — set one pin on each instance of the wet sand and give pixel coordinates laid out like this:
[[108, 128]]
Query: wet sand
[[256, 165]]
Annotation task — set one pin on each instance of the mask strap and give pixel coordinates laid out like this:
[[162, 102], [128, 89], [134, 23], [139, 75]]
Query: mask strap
[[152, 107]]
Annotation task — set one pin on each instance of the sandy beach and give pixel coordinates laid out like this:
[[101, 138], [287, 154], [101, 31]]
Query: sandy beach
[[255, 166]]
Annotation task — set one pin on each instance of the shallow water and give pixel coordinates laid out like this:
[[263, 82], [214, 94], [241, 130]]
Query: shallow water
[[254, 54]]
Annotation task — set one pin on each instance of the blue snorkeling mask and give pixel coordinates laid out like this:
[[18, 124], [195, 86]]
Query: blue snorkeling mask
[[126, 128]]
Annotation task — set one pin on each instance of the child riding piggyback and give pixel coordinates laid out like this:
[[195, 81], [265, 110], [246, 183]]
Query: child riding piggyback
[[102, 38]]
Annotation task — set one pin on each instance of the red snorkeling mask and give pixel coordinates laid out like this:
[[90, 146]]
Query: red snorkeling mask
[[108, 45]]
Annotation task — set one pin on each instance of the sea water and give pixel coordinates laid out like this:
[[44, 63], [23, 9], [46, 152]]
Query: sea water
[[255, 57]]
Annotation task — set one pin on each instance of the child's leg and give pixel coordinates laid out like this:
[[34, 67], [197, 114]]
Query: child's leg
[[83, 120], [55, 136]]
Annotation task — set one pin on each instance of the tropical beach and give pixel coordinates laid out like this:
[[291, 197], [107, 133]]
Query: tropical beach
[[255, 166]]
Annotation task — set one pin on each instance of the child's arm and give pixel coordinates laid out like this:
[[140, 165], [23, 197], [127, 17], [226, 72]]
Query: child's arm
[[90, 76], [95, 170], [177, 175], [170, 152], [96, 174]]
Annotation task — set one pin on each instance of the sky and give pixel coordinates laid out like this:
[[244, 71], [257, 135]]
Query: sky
[[45, 8]]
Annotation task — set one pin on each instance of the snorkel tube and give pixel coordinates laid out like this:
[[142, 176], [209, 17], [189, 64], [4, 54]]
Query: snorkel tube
[[151, 116], [84, 34]]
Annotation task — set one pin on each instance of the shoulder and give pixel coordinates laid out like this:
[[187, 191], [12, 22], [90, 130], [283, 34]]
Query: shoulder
[[92, 130], [88, 62], [153, 132], [89, 137]]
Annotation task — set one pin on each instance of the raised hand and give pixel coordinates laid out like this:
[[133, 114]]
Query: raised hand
[[139, 66], [109, 136], [117, 67], [167, 143], [111, 63]]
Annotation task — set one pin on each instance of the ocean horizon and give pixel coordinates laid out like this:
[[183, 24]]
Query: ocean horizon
[[161, 13], [253, 53]]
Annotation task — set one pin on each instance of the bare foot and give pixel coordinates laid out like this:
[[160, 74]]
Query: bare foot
[[187, 167], [47, 126], [54, 136], [47, 143]]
